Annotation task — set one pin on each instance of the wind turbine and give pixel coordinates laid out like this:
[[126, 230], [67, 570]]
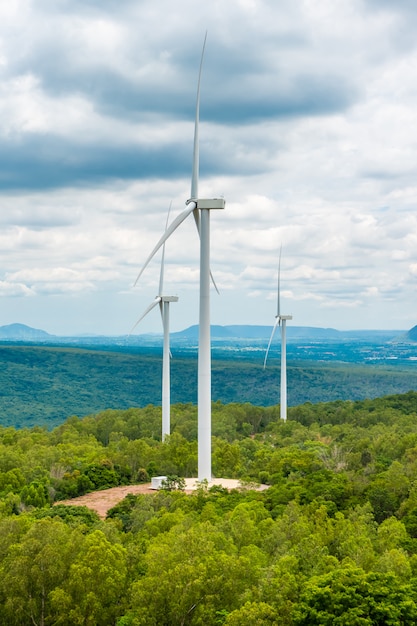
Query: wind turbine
[[201, 210], [164, 302], [279, 318]]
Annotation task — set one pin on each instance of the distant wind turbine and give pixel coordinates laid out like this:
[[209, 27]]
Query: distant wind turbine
[[278, 319], [163, 302], [201, 210]]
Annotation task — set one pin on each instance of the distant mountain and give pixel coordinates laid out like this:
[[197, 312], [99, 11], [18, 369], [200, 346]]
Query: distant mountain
[[256, 332], [232, 334], [294, 333], [21, 332], [219, 332], [411, 335]]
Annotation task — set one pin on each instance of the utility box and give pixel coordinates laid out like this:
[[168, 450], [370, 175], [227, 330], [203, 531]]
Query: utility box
[[157, 481]]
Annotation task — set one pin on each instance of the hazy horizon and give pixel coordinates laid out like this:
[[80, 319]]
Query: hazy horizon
[[290, 329]]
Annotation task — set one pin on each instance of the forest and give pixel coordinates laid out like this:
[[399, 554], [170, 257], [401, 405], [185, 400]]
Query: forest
[[43, 385], [331, 541]]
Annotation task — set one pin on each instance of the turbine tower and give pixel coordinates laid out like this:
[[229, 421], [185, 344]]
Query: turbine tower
[[281, 320], [201, 210], [164, 302]]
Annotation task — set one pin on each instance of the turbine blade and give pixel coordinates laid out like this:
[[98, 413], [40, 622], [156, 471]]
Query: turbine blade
[[168, 232], [196, 214], [145, 313], [270, 340], [279, 285], [196, 151], [214, 283], [169, 211], [161, 273], [161, 310]]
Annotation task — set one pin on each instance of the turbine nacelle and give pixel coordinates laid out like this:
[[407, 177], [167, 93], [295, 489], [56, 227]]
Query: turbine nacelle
[[285, 317], [212, 203], [169, 298]]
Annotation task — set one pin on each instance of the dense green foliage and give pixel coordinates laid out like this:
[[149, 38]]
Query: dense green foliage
[[333, 540], [42, 385]]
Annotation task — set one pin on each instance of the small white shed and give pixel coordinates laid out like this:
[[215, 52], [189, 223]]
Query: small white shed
[[157, 481]]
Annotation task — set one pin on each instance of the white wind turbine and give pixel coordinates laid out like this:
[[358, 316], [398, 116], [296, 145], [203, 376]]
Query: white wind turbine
[[201, 209], [164, 302], [279, 318]]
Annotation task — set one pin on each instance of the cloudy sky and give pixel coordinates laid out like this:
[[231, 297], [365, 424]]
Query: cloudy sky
[[308, 130]]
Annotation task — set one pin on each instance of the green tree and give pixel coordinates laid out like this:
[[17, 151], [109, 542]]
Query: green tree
[[352, 597], [192, 573], [172, 483], [35, 494], [253, 613], [33, 568], [93, 593]]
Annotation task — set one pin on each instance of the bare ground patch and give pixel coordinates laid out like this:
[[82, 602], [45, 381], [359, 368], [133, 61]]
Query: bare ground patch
[[102, 501]]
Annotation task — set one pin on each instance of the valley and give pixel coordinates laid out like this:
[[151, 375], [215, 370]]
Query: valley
[[44, 383]]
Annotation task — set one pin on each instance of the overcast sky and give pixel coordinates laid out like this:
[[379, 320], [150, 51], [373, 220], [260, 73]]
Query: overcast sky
[[308, 129]]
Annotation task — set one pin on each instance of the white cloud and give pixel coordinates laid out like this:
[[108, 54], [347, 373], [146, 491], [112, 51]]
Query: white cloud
[[308, 129]]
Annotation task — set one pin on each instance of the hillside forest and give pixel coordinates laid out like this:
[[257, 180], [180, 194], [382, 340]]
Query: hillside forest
[[43, 385], [332, 540]]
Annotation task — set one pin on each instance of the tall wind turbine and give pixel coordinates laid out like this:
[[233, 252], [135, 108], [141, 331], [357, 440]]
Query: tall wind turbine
[[201, 209], [164, 302], [281, 320]]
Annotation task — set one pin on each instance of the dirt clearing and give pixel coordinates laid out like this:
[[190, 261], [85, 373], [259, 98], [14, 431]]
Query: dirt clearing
[[103, 501]]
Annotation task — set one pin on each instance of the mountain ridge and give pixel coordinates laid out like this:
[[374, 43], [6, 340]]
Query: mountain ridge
[[22, 332], [232, 332], [247, 332], [411, 335]]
